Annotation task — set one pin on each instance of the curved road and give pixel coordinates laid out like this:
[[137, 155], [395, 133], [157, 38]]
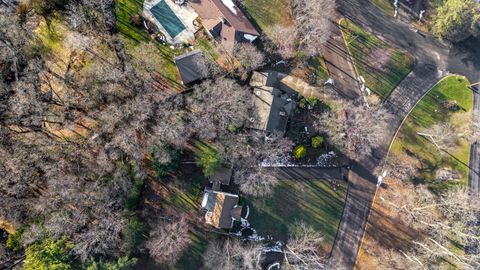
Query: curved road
[[433, 60]]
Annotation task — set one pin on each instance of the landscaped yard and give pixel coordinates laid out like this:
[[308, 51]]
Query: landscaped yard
[[382, 66], [313, 202], [431, 110], [133, 35]]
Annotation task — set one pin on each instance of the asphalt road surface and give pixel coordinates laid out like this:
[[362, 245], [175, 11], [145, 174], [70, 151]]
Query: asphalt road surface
[[433, 60]]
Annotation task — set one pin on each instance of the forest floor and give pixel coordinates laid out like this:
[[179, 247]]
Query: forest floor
[[382, 66]]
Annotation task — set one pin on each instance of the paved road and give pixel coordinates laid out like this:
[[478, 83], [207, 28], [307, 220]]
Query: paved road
[[339, 64], [433, 60], [474, 175]]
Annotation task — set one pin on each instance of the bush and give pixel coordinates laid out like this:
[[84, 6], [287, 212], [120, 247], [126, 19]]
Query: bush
[[317, 141], [208, 158], [165, 160], [123, 263], [134, 197], [13, 240], [49, 254], [300, 151], [133, 233], [313, 101]]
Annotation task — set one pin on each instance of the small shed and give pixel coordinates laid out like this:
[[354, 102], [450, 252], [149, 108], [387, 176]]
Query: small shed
[[191, 67], [221, 177]]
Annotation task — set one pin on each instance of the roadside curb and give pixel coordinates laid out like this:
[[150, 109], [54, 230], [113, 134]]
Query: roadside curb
[[390, 147]]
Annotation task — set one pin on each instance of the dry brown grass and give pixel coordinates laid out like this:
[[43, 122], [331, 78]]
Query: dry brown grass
[[387, 228]]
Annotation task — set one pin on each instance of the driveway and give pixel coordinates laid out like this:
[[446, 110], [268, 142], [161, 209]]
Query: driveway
[[434, 59]]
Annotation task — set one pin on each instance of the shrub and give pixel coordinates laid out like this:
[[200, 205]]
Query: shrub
[[165, 160], [123, 263], [13, 240], [317, 141], [233, 128], [300, 151], [313, 101], [134, 197], [133, 233], [49, 254]]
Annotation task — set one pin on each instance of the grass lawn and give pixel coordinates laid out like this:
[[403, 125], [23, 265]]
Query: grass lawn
[[266, 13], [386, 5], [382, 66], [428, 112], [132, 35], [313, 202]]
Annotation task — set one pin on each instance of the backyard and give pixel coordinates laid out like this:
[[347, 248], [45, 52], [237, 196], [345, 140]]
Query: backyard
[[313, 202], [135, 35], [265, 14], [435, 108], [382, 66]]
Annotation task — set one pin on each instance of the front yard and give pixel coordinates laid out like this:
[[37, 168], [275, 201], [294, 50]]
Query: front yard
[[382, 66], [313, 202], [431, 110]]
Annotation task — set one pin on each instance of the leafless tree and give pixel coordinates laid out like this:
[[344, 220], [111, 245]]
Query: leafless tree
[[312, 20], [248, 56], [379, 58], [442, 136], [250, 175], [354, 128], [231, 255], [284, 40], [167, 241], [303, 250], [401, 168], [452, 216], [217, 105]]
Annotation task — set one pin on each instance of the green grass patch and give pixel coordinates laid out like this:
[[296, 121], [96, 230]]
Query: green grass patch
[[392, 66], [313, 202], [208, 157], [133, 35], [386, 5], [428, 112], [267, 13], [319, 68], [192, 257]]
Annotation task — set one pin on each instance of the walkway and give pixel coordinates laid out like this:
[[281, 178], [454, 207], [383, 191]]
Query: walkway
[[434, 60]]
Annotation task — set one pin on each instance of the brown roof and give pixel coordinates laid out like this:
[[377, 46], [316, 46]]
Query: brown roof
[[212, 11], [221, 208]]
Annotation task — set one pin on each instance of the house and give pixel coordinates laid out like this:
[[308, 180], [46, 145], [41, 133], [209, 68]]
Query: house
[[221, 177], [190, 67], [224, 21], [274, 104], [222, 208]]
